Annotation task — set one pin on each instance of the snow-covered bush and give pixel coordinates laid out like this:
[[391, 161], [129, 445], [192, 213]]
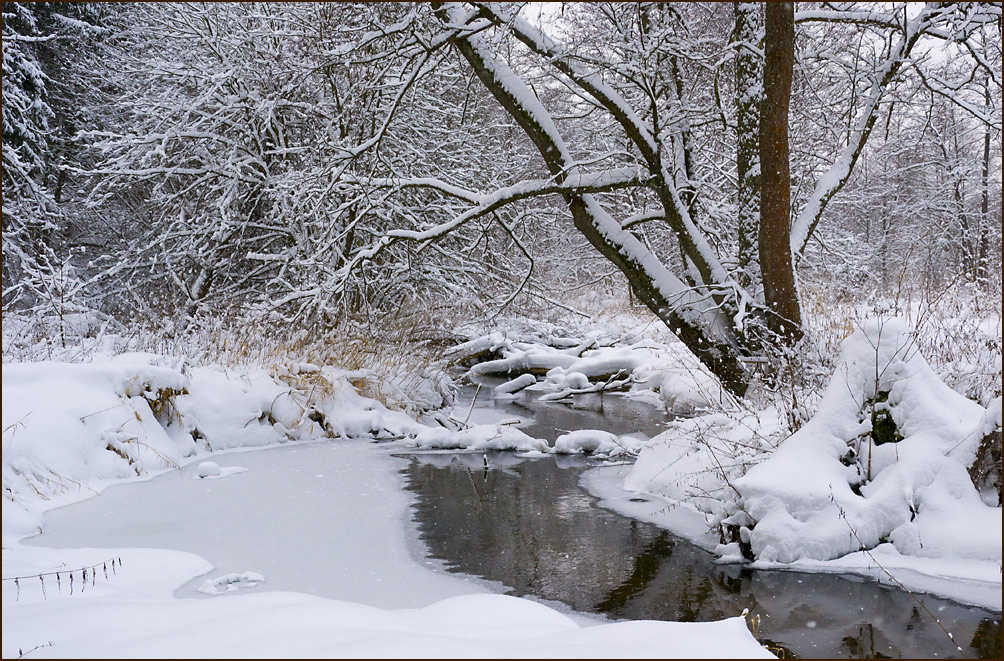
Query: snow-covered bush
[[885, 458], [890, 455]]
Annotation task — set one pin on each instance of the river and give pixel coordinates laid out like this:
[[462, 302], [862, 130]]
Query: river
[[529, 525], [310, 516]]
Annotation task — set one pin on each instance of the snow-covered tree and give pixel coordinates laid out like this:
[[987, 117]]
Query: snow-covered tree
[[701, 300], [39, 113], [305, 162]]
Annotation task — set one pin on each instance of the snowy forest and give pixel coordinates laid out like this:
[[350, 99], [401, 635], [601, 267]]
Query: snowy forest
[[513, 329]]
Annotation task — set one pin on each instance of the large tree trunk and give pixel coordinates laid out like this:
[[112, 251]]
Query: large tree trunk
[[983, 250], [749, 95], [784, 315]]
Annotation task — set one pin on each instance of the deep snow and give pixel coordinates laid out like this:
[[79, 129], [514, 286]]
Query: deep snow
[[72, 430]]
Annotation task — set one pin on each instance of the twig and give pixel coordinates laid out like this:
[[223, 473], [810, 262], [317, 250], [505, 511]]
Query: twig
[[861, 544], [114, 406], [473, 402], [16, 423], [21, 654]]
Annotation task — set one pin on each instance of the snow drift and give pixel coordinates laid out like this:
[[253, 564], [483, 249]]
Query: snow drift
[[885, 458]]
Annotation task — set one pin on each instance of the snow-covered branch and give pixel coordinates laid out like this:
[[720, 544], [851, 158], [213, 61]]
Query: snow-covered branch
[[830, 183], [639, 131], [874, 18]]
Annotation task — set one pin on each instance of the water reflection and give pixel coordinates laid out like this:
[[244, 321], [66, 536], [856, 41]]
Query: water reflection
[[528, 525]]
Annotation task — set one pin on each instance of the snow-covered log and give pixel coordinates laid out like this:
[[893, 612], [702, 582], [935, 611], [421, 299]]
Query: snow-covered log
[[595, 442], [474, 351], [517, 384]]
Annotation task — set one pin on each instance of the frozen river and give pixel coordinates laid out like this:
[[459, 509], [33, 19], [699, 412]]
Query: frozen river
[[329, 519]]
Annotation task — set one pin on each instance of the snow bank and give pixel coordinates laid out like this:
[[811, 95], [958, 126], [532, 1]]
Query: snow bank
[[69, 429], [132, 615], [693, 459], [684, 386], [830, 489]]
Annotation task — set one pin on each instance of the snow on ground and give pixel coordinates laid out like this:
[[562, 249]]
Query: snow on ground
[[71, 430], [135, 620]]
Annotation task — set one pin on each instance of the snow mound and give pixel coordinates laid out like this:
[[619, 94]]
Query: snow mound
[[209, 469], [595, 442], [884, 459], [477, 437], [236, 410], [231, 583]]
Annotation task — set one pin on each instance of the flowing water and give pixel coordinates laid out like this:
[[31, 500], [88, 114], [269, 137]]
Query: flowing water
[[528, 524]]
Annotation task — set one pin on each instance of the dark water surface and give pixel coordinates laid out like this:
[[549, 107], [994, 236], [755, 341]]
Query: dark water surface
[[529, 525]]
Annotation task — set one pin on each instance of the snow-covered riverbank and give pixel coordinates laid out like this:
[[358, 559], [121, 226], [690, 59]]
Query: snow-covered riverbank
[[73, 430], [878, 482], [971, 582]]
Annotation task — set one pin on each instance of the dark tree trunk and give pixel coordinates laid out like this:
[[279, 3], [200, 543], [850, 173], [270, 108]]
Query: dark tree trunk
[[780, 294], [983, 251], [749, 95]]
